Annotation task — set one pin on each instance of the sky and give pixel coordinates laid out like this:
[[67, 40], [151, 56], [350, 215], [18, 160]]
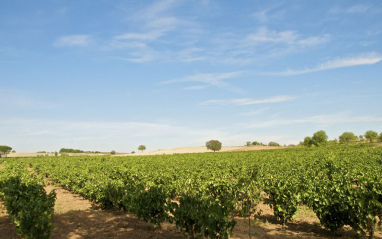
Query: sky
[[112, 75]]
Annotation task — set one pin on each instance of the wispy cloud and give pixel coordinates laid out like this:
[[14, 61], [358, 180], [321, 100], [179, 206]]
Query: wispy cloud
[[362, 59], [73, 40], [288, 37], [270, 13], [91, 135], [198, 87], [210, 79], [247, 101], [21, 100], [156, 9], [320, 119], [355, 9], [260, 111], [152, 35]]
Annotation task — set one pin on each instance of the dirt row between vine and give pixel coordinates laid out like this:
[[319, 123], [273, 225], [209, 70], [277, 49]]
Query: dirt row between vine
[[77, 218]]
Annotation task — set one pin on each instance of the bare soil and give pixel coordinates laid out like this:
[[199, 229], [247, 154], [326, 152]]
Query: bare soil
[[180, 150]]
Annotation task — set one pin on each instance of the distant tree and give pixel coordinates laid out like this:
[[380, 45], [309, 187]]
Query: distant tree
[[361, 138], [112, 152], [133, 152], [13, 151], [55, 154], [255, 143], [214, 145], [273, 144], [64, 150], [319, 138], [347, 137], [380, 137], [248, 143], [371, 135], [307, 141], [142, 147], [5, 149]]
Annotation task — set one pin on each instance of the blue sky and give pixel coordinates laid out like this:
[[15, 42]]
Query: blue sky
[[111, 75]]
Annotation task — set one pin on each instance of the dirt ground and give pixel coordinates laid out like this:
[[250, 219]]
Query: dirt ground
[[180, 150]]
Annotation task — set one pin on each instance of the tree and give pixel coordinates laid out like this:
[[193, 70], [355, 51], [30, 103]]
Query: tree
[[255, 143], [307, 141], [273, 144], [248, 143], [214, 145], [319, 138], [380, 137], [371, 135], [5, 149], [112, 152], [347, 137], [142, 147]]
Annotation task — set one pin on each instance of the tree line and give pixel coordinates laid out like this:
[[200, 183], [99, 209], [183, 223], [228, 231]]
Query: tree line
[[321, 138]]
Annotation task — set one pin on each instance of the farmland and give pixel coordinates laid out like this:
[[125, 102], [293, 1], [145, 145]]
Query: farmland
[[210, 194]]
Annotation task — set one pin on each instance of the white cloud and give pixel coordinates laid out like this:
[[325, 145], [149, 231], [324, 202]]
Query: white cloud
[[260, 111], [30, 134], [155, 9], [362, 59], [290, 38], [356, 9], [199, 87], [246, 101], [268, 14], [148, 36], [320, 119], [214, 79], [22, 100], [73, 40]]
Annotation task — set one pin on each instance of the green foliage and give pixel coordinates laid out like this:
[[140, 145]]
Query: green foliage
[[63, 150], [319, 138], [112, 152], [255, 143], [347, 137], [284, 194], [380, 138], [341, 183], [214, 145], [5, 149], [204, 216], [142, 147], [28, 205], [151, 205], [308, 141], [371, 135], [273, 144], [331, 197], [248, 143]]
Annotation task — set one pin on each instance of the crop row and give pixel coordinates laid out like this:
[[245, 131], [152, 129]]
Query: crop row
[[25, 199], [201, 193]]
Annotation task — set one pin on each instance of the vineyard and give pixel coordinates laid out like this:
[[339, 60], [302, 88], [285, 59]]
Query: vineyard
[[201, 194]]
